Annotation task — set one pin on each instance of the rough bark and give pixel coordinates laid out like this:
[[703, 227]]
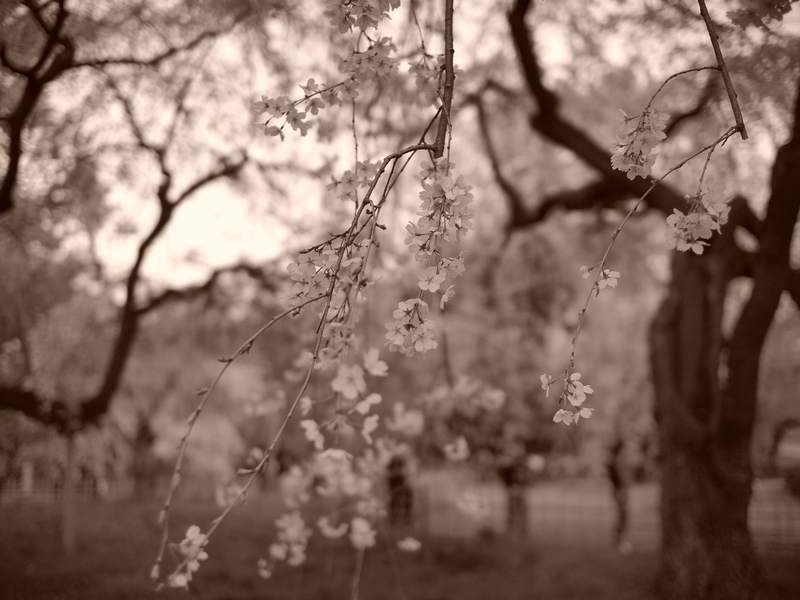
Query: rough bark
[[706, 398], [706, 386]]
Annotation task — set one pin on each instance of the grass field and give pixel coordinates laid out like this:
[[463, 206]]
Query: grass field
[[118, 541]]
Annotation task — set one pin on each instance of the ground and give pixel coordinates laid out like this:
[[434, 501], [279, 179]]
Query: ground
[[118, 541]]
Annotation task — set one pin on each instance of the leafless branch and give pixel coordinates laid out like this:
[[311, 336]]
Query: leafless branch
[[793, 286], [188, 293], [709, 91]]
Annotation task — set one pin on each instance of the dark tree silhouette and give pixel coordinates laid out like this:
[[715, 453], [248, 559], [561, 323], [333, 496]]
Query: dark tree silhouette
[[705, 384]]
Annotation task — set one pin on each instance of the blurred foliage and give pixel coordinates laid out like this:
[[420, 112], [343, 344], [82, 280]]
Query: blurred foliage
[[86, 197]]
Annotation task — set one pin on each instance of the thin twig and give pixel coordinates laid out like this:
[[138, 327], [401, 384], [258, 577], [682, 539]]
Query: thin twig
[[674, 75], [175, 480], [721, 140]]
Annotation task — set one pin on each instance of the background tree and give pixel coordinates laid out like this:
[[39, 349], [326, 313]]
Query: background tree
[[705, 422]]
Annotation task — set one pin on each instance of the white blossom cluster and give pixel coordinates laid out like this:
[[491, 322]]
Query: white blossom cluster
[[353, 402], [344, 15], [444, 216], [347, 187], [335, 268], [632, 152], [373, 64], [574, 393], [708, 211], [191, 548], [292, 541]]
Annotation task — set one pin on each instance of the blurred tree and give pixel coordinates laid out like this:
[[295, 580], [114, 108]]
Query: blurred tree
[[105, 99], [155, 95], [705, 376]]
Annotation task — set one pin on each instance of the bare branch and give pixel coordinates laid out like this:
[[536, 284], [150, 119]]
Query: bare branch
[[128, 109], [195, 291], [228, 169], [513, 196], [15, 121], [59, 62], [548, 101], [709, 91], [26, 402], [553, 126], [53, 33], [793, 286], [167, 54]]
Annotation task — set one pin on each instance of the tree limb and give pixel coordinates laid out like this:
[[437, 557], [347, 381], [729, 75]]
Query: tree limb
[[53, 33], [793, 286], [553, 126], [229, 169], [167, 54], [60, 62], [191, 292]]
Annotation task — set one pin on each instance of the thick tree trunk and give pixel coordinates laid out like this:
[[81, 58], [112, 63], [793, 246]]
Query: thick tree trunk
[[706, 397], [706, 476]]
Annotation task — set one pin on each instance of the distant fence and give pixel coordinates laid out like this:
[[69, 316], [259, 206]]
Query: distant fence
[[582, 512], [47, 491]]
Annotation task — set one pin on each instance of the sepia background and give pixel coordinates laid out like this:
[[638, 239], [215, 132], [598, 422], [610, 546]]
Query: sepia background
[[146, 223]]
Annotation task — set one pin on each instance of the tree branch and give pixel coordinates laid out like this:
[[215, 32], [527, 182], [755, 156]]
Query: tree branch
[[228, 169], [793, 286], [53, 33], [128, 110], [60, 62], [167, 54], [548, 101], [709, 91], [191, 292], [30, 95], [28, 403], [513, 196], [723, 68], [553, 126], [602, 193]]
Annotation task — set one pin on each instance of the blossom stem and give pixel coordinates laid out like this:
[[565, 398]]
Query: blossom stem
[[243, 349], [678, 74], [721, 140]]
